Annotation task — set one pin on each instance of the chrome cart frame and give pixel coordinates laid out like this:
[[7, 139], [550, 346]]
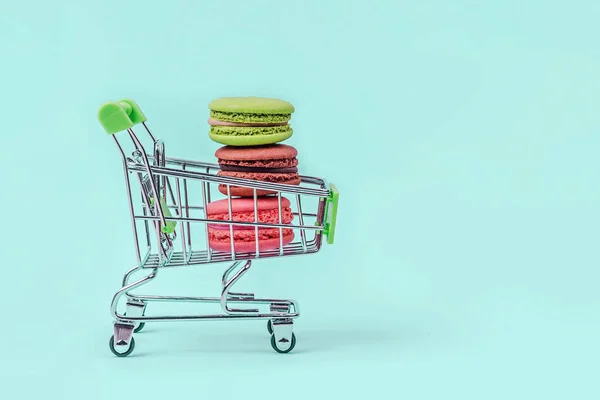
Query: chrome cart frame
[[183, 189]]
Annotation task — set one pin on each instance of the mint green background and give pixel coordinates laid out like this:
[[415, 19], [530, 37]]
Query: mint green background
[[462, 135]]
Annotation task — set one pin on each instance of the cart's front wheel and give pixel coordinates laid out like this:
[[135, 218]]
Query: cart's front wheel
[[270, 327], [121, 351], [283, 347]]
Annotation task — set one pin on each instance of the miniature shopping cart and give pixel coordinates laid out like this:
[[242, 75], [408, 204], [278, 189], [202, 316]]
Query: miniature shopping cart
[[170, 228]]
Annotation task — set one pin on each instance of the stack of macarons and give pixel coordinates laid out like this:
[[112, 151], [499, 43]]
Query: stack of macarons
[[251, 130]]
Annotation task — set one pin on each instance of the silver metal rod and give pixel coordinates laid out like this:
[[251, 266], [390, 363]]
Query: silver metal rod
[[127, 288], [320, 217], [202, 164], [181, 226], [148, 170], [162, 253], [235, 295], [149, 133], [204, 200], [131, 210], [145, 207], [160, 151], [225, 277], [172, 195], [306, 214], [192, 163], [280, 223], [208, 187], [201, 258], [152, 298], [128, 275], [187, 214], [240, 223], [157, 162], [256, 221], [156, 196], [146, 256], [277, 187], [229, 284], [301, 219], [230, 226], [208, 166], [166, 318]]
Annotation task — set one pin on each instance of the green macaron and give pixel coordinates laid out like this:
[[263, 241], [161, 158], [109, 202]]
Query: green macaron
[[249, 121]]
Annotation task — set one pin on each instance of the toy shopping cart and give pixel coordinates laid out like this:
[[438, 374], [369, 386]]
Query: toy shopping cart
[[170, 228]]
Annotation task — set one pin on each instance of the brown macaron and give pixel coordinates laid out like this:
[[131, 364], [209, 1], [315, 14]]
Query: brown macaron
[[275, 163]]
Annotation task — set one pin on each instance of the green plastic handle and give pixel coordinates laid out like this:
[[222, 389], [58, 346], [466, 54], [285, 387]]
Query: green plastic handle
[[331, 213], [170, 228], [120, 116], [171, 225]]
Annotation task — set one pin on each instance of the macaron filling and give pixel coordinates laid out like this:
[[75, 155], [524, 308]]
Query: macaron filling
[[237, 168], [248, 117], [216, 122], [249, 130], [264, 216], [272, 163], [250, 140], [235, 227], [248, 235], [270, 216], [263, 176]]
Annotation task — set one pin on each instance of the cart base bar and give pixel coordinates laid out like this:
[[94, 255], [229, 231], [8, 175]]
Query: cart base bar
[[287, 309]]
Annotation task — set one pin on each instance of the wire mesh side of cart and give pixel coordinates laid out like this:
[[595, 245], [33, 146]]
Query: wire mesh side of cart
[[173, 231]]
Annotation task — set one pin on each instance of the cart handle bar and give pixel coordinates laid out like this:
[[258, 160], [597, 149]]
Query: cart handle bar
[[120, 115], [331, 213]]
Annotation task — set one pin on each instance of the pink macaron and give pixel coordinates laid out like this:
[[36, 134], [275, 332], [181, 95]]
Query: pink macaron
[[276, 163], [244, 237]]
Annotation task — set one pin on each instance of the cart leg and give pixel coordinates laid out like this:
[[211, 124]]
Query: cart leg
[[136, 308], [122, 343], [283, 339], [225, 280], [277, 308], [128, 274], [125, 291], [228, 284]]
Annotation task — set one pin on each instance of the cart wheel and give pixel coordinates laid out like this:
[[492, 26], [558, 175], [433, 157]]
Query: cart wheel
[[127, 352], [277, 349], [270, 327]]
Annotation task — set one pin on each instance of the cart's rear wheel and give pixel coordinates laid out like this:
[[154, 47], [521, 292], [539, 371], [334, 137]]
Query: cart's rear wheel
[[284, 350], [121, 352], [270, 327]]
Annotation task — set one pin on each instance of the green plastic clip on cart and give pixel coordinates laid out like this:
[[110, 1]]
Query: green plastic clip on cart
[[168, 198]]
